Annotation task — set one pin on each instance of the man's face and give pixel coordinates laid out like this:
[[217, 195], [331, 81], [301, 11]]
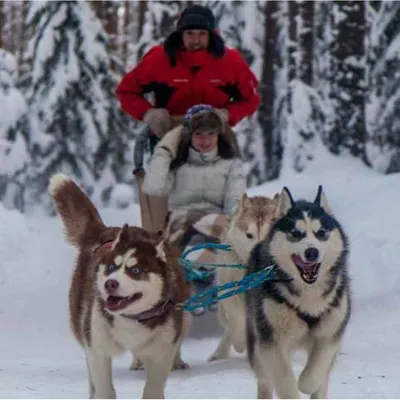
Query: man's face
[[195, 39]]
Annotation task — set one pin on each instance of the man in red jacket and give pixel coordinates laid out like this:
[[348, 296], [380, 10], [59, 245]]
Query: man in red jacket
[[193, 66]]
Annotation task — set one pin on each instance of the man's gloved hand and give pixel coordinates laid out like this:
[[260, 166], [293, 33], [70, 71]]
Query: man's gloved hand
[[171, 140], [223, 113], [158, 120]]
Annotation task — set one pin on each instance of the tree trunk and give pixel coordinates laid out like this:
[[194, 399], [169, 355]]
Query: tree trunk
[[2, 22], [107, 12], [126, 32], [141, 21], [306, 42], [348, 79], [271, 136]]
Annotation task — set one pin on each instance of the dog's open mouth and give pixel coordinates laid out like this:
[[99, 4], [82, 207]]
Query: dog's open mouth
[[115, 303], [308, 270]]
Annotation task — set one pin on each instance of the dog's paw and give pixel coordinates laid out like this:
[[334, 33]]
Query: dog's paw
[[217, 356], [239, 346], [309, 382], [136, 365], [180, 364], [238, 336]]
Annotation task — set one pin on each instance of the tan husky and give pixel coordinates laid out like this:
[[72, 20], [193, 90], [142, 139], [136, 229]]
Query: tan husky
[[123, 294], [248, 226]]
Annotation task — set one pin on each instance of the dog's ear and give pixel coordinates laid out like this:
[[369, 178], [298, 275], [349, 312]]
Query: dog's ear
[[285, 203], [122, 236], [161, 251], [244, 201], [158, 236], [321, 200]]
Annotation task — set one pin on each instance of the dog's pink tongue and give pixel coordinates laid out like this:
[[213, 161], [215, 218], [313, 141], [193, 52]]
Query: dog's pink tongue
[[115, 303], [308, 267]]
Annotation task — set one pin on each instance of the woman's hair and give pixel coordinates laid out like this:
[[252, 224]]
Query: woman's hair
[[228, 146]]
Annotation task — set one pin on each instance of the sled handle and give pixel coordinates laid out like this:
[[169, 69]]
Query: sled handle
[[142, 142], [141, 145]]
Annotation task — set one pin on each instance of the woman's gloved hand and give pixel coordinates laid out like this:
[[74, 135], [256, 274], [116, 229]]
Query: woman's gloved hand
[[158, 120], [223, 114]]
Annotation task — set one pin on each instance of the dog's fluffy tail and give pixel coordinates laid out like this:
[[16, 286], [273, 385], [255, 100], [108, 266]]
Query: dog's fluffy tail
[[78, 214]]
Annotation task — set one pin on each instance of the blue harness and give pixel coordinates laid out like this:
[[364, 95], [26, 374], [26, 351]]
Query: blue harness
[[212, 295]]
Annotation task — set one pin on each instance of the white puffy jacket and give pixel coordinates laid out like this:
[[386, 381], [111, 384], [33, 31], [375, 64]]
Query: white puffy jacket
[[205, 182]]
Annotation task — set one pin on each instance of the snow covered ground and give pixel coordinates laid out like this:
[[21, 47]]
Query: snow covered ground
[[40, 359]]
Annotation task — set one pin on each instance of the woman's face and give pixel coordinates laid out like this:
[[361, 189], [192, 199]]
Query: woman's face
[[204, 142]]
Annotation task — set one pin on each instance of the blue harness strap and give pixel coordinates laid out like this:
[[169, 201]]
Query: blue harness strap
[[211, 295], [207, 268]]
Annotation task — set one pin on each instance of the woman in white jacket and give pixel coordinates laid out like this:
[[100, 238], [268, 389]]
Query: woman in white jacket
[[198, 166]]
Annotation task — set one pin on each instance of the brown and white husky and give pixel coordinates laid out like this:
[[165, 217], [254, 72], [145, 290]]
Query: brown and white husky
[[123, 295], [249, 225]]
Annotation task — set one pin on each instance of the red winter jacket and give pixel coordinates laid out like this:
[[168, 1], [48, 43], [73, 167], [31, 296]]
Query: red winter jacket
[[198, 77]]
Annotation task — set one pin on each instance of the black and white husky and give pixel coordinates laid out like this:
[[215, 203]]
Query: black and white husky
[[308, 309]]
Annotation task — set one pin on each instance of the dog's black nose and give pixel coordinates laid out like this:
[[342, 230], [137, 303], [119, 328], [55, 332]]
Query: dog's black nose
[[311, 254], [111, 285]]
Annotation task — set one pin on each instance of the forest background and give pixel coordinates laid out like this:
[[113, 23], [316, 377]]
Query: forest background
[[329, 77]]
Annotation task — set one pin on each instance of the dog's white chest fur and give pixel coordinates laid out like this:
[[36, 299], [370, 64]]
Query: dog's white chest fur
[[126, 334], [134, 335]]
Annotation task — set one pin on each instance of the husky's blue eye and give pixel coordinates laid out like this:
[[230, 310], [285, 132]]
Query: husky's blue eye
[[134, 270], [111, 268]]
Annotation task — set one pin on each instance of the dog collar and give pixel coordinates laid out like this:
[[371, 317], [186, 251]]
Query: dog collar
[[156, 311]]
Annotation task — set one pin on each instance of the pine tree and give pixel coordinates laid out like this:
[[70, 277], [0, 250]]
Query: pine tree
[[136, 25], [303, 102], [322, 74], [13, 34], [383, 107], [232, 20], [347, 130], [14, 156], [160, 18], [77, 124]]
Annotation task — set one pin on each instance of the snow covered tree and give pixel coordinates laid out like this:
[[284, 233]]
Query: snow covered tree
[[347, 130], [160, 18], [107, 12], [303, 103], [14, 156], [233, 21], [383, 107], [13, 34], [322, 74], [135, 26], [2, 23], [77, 125]]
